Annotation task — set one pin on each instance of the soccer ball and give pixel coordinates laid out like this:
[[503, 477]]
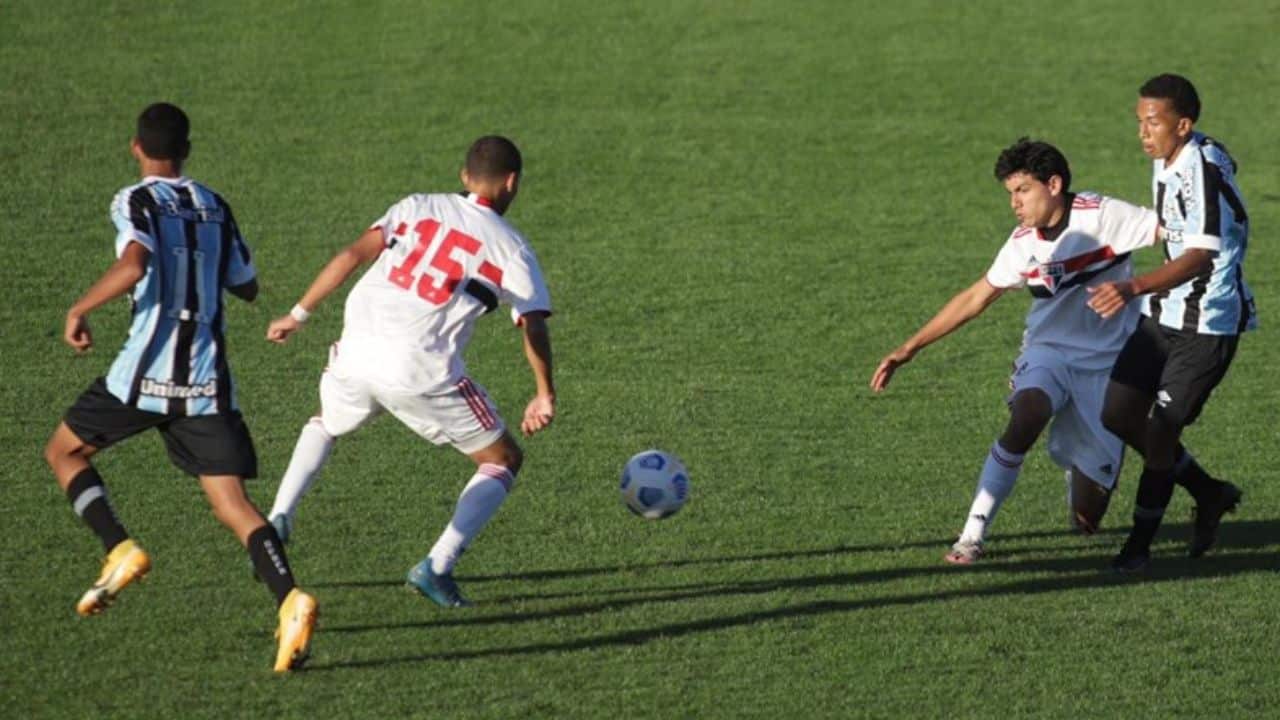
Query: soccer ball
[[654, 484]]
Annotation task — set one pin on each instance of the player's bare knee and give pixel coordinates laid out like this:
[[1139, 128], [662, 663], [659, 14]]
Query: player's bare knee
[[512, 457], [1029, 412], [1089, 503], [64, 447]]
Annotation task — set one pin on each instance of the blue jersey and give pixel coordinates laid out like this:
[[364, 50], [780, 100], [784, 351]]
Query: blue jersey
[[1200, 206], [175, 359]]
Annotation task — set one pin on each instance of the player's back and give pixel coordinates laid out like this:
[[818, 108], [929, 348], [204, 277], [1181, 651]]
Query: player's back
[[174, 360], [448, 259]]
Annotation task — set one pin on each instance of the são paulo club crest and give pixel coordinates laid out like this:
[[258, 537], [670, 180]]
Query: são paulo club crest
[[1052, 274]]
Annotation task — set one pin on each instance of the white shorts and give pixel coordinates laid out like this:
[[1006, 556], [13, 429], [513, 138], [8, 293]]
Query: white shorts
[[1077, 436], [462, 416]]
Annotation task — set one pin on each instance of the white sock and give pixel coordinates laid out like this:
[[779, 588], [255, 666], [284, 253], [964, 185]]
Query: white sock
[[999, 473], [309, 455], [479, 500]]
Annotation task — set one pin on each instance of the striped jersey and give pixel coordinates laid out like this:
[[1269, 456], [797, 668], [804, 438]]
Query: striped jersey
[[175, 358], [448, 259], [1200, 206], [1091, 246]]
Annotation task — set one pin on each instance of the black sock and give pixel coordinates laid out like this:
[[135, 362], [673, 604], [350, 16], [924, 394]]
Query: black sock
[[1155, 488], [88, 496], [267, 553], [1188, 473]]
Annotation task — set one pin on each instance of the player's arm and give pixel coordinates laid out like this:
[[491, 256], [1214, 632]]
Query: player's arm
[[1126, 223], [123, 274], [1110, 298], [347, 261], [537, 350], [965, 306]]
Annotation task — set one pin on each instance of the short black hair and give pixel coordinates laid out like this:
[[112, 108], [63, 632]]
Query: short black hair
[[493, 156], [1036, 158], [163, 131], [1177, 90]]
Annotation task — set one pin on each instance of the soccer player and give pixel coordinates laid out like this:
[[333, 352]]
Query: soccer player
[[1063, 241], [440, 262], [177, 249], [1194, 309]]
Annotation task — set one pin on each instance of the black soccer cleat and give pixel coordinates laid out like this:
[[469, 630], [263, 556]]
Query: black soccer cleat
[[1208, 516], [1131, 560]]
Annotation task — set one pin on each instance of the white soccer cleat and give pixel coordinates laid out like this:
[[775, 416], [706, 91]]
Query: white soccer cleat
[[965, 552]]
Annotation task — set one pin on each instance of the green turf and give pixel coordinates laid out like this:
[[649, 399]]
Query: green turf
[[739, 207]]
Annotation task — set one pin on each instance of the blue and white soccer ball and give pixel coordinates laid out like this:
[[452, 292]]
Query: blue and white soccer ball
[[654, 485]]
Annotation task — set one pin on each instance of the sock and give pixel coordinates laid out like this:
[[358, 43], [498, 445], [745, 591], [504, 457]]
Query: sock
[[1188, 473], [267, 553], [479, 500], [1155, 488], [88, 496], [309, 455], [999, 473]]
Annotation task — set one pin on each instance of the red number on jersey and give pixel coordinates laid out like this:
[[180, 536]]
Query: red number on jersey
[[443, 260]]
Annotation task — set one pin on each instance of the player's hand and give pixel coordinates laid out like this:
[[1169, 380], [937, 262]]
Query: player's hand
[[538, 415], [1110, 298], [77, 333], [889, 365], [282, 327]]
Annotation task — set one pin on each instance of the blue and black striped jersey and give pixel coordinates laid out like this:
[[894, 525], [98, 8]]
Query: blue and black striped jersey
[[175, 358], [1200, 205]]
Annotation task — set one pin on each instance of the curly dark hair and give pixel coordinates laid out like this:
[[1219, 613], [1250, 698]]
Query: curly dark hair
[[1036, 158]]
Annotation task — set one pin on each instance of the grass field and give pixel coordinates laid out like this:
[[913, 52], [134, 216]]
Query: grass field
[[739, 207]]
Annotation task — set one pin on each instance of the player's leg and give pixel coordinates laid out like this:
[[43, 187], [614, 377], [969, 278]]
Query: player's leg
[[345, 405], [1125, 414], [219, 451], [98, 420], [466, 418], [1036, 393], [1091, 455], [1195, 366]]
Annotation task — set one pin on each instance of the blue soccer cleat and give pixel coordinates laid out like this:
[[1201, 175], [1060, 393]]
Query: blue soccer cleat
[[440, 589]]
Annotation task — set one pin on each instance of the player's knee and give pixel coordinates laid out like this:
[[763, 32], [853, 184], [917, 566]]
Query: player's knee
[[1089, 503], [62, 446], [512, 457], [1029, 412]]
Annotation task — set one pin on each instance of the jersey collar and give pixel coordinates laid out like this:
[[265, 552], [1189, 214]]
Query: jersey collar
[[1187, 155], [180, 180], [483, 202]]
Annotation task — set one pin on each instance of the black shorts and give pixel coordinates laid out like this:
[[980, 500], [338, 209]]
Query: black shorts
[[1179, 370], [197, 444]]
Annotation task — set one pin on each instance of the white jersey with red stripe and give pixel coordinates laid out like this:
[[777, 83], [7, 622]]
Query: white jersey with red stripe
[[448, 259], [1092, 247]]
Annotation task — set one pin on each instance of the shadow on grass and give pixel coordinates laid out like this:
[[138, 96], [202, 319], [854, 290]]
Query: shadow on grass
[[1069, 574], [1250, 534], [1078, 574]]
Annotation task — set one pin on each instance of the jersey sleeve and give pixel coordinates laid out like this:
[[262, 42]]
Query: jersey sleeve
[[1007, 271], [1202, 192], [1126, 227], [523, 287], [392, 217], [132, 217], [240, 269]]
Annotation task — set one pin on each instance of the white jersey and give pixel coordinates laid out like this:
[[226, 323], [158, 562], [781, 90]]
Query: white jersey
[[1092, 248], [449, 258]]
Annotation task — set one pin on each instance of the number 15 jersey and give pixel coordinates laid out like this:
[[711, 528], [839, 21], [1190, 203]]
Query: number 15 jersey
[[448, 259]]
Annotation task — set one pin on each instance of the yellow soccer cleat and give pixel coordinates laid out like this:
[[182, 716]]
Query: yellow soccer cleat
[[297, 621], [125, 563]]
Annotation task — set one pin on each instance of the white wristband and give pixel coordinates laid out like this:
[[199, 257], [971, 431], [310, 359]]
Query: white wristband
[[299, 313]]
